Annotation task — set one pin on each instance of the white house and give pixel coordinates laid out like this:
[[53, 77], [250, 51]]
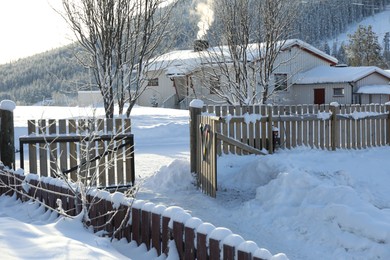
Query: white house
[[346, 85], [304, 74]]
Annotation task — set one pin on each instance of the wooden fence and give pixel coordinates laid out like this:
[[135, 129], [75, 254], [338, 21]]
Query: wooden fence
[[153, 225], [261, 129], [100, 150]]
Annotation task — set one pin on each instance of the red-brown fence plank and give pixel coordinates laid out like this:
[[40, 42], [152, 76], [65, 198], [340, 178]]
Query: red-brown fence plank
[[201, 243]]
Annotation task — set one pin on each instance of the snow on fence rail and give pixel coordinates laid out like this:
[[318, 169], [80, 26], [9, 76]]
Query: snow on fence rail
[[153, 225]]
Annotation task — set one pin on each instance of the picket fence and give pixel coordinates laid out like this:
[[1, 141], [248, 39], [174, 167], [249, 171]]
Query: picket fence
[[86, 145], [216, 130], [145, 223], [316, 126]]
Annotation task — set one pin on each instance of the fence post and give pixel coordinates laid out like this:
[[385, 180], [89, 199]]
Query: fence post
[[335, 135], [270, 130], [388, 123], [195, 110], [7, 146]]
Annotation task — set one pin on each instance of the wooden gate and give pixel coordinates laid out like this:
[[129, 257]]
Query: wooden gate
[[99, 151], [206, 155]]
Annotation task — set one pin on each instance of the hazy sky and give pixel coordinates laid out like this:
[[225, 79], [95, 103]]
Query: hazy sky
[[28, 27]]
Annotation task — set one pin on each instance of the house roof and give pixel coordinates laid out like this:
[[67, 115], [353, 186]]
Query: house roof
[[184, 62], [374, 89], [328, 74]]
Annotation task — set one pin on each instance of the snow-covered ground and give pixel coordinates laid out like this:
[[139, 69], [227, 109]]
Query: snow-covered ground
[[308, 204]]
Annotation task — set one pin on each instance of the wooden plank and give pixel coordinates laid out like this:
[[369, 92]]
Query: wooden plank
[[73, 153], [111, 156], [214, 166], [156, 234], [228, 252], [32, 148], [165, 237], [136, 225], [119, 154], [53, 149], [359, 130], [43, 169], [231, 130], [311, 127], [189, 241], [364, 128], [263, 111], [299, 126], [293, 128], [316, 127], [225, 126], [348, 123], [101, 178], [288, 128], [201, 245], [129, 155], [257, 137], [146, 228], [238, 112], [218, 127], [282, 127], [304, 126], [63, 152], [214, 249], [178, 232], [251, 129], [385, 131], [353, 129], [242, 146], [82, 125], [244, 133]]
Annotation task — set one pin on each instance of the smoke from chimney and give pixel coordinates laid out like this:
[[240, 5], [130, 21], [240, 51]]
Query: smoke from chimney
[[206, 14]]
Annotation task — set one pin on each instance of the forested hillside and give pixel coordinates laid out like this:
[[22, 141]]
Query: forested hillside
[[48, 75], [57, 75]]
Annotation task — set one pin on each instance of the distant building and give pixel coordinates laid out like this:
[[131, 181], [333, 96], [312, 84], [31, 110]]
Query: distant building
[[89, 98]]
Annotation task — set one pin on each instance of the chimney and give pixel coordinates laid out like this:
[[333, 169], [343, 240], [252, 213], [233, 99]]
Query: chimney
[[201, 45]]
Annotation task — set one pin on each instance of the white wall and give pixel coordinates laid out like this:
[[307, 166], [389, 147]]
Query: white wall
[[89, 98]]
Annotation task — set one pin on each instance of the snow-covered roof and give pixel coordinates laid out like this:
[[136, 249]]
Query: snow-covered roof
[[328, 74], [184, 62], [374, 89]]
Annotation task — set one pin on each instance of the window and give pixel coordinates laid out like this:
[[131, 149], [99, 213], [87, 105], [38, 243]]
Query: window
[[280, 82], [153, 82], [338, 92], [215, 84]]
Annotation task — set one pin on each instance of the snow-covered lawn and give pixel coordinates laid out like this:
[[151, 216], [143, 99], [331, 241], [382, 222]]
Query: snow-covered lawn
[[308, 204]]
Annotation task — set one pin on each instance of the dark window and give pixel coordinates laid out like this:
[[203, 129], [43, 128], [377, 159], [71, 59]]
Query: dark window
[[280, 82], [153, 82], [338, 92]]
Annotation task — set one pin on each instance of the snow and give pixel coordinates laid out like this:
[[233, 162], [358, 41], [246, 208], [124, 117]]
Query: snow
[[374, 89], [328, 74], [7, 105], [301, 203], [196, 103]]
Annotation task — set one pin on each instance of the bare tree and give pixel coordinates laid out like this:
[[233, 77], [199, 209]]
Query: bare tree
[[119, 38], [253, 32]]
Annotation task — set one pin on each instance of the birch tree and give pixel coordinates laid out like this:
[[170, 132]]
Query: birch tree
[[119, 38], [253, 32]]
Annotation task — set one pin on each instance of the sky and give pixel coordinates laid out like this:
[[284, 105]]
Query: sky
[[28, 27], [301, 203]]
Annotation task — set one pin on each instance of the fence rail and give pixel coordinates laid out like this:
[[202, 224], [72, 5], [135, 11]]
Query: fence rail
[[153, 225], [101, 150]]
